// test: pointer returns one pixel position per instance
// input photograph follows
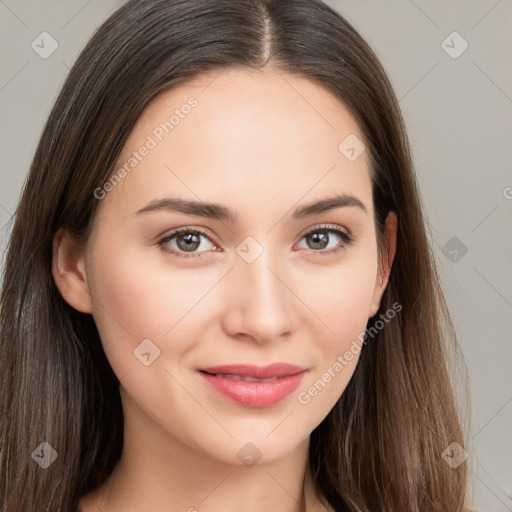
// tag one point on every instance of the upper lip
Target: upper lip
(256, 372)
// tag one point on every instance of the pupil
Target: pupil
(320, 238)
(189, 240)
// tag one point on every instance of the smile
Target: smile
(253, 386)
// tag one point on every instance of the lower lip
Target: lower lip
(254, 394)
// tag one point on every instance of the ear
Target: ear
(68, 269)
(387, 261)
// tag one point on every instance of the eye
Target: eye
(184, 242)
(321, 238)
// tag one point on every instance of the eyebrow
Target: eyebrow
(220, 212)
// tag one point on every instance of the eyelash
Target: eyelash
(346, 237)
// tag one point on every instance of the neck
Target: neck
(156, 470)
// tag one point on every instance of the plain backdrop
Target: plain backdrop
(450, 65)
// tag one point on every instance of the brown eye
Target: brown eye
(326, 237)
(188, 242)
(318, 239)
(185, 240)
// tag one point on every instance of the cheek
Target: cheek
(134, 301)
(343, 306)
(346, 304)
(343, 299)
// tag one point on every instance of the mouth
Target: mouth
(254, 386)
(243, 378)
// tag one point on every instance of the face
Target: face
(257, 279)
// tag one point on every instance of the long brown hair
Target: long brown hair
(379, 448)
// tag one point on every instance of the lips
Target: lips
(256, 372)
(254, 386)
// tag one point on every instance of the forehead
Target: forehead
(248, 136)
(271, 102)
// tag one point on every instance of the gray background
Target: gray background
(458, 113)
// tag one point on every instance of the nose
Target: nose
(259, 301)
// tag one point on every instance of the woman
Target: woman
(218, 291)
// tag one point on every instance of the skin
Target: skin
(261, 144)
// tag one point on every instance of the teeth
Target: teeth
(244, 378)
